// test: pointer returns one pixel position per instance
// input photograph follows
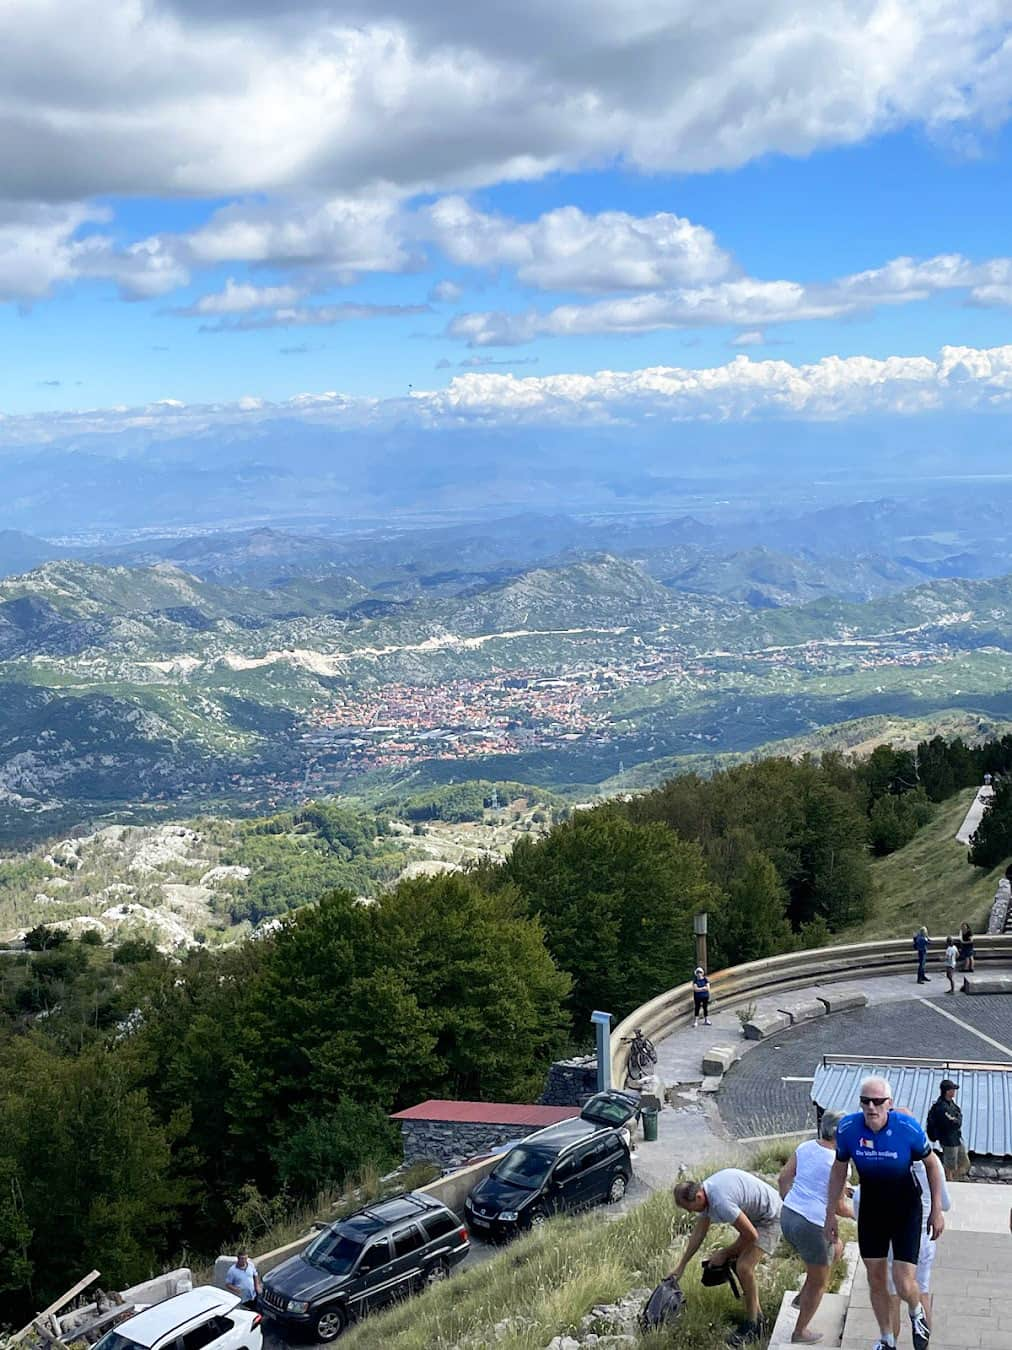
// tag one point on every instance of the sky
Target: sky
(580, 212)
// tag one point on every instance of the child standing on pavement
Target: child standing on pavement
(700, 997)
(951, 956)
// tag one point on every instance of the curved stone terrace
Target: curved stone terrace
(767, 1092)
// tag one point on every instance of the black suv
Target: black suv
(562, 1168)
(380, 1253)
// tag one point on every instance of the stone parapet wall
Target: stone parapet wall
(570, 1081)
(739, 985)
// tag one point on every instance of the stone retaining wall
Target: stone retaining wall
(448, 1142)
(570, 1081)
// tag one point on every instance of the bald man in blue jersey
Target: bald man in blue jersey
(883, 1144)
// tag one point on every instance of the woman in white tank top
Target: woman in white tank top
(804, 1186)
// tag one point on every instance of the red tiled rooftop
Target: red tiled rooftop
(487, 1113)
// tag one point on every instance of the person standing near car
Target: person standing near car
(700, 997)
(752, 1207)
(883, 1144)
(243, 1278)
(945, 1127)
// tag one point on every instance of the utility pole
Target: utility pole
(699, 929)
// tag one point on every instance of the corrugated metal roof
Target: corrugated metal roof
(985, 1095)
(487, 1113)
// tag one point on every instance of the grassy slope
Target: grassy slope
(929, 882)
(546, 1282)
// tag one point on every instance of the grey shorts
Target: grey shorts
(807, 1238)
(768, 1235)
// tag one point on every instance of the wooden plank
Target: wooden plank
(54, 1307)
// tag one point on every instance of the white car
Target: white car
(196, 1320)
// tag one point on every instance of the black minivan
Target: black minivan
(554, 1171)
(378, 1254)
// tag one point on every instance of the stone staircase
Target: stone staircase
(972, 1298)
(971, 1285)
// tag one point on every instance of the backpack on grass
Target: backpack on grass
(664, 1306)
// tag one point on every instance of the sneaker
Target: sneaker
(919, 1330)
(695, 1023)
(884, 1345)
(749, 1333)
(707, 1022)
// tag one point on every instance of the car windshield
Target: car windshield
(333, 1251)
(526, 1167)
(112, 1340)
(608, 1110)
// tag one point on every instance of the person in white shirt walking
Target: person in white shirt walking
(951, 957)
(804, 1185)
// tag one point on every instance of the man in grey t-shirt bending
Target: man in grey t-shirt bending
(753, 1208)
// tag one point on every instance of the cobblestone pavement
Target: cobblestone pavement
(755, 1099)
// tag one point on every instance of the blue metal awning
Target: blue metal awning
(985, 1093)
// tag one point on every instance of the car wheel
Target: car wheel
(436, 1274)
(329, 1324)
(538, 1218)
(617, 1188)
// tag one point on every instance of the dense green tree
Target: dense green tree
(616, 900)
(991, 842)
(328, 1147)
(88, 1168)
(751, 922)
(894, 820)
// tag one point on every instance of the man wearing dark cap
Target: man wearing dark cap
(945, 1127)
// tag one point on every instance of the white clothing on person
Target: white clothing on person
(243, 1280)
(951, 954)
(810, 1191)
(926, 1259)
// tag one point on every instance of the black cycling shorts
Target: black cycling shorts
(888, 1218)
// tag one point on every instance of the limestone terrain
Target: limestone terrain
(168, 883)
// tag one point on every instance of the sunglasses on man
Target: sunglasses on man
(874, 1101)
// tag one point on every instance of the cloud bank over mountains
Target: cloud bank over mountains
(958, 380)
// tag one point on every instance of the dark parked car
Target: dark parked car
(360, 1263)
(556, 1170)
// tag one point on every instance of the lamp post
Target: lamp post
(602, 1025)
(699, 929)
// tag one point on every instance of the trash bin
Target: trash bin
(650, 1126)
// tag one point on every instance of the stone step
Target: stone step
(829, 1319)
(972, 1300)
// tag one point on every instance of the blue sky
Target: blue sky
(605, 188)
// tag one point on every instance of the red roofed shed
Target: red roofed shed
(449, 1132)
(488, 1113)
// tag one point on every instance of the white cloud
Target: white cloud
(743, 302)
(446, 293)
(342, 237)
(240, 297)
(311, 316)
(754, 337)
(958, 379)
(568, 250)
(219, 97)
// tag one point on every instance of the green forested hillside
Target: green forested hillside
(929, 881)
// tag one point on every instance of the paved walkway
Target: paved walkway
(972, 817)
(970, 1285)
(696, 1130)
